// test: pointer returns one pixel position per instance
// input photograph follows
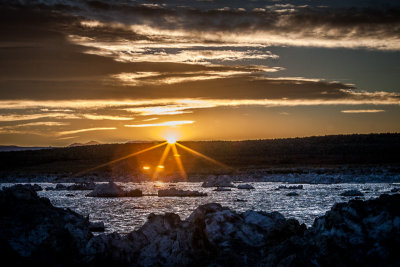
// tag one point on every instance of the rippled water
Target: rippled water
(126, 214)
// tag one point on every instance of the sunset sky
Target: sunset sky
(118, 71)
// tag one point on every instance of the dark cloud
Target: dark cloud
(39, 62)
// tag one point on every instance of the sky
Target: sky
(118, 71)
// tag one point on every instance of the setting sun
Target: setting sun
(171, 140)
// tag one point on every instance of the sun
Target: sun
(171, 140)
(171, 137)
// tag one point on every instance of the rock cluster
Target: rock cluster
(113, 190)
(356, 233)
(218, 181)
(172, 192)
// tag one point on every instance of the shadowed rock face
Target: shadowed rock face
(359, 232)
(33, 231)
(353, 233)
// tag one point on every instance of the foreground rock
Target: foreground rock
(211, 235)
(113, 190)
(218, 181)
(357, 233)
(172, 192)
(33, 231)
(352, 193)
(97, 227)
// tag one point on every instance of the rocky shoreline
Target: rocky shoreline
(353, 233)
(304, 175)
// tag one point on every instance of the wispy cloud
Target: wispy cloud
(86, 130)
(362, 111)
(150, 119)
(167, 123)
(25, 117)
(106, 117)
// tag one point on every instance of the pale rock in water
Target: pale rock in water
(113, 190)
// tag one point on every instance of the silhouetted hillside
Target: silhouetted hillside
(371, 149)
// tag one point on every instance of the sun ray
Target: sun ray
(178, 161)
(162, 160)
(117, 160)
(205, 157)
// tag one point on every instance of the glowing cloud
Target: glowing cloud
(167, 123)
(363, 111)
(86, 130)
(106, 117)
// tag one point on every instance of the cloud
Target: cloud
(86, 130)
(356, 111)
(167, 123)
(106, 117)
(25, 117)
(373, 27)
(150, 119)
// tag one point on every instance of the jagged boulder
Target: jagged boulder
(113, 190)
(358, 233)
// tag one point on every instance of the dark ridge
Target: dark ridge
(333, 150)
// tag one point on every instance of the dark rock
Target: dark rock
(69, 195)
(60, 187)
(96, 227)
(358, 233)
(292, 194)
(245, 186)
(352, 193)
(172, 192)
(37, 187)
(395, 190)
(32, 231)
(222, 189)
